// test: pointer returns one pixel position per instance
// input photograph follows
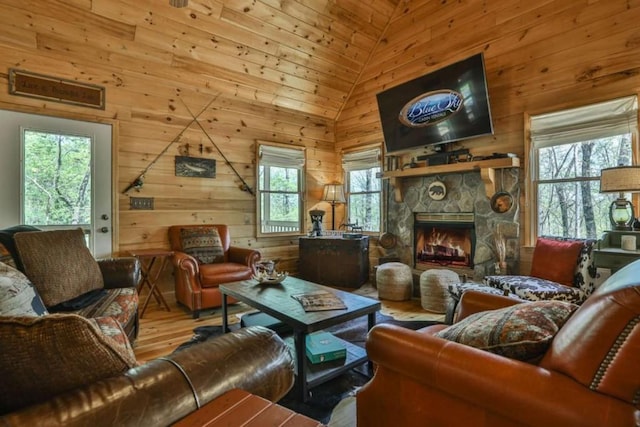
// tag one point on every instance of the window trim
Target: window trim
(301, 189)
(376, 150)
(531, 161)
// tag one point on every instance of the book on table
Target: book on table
(323, 346)
(319, 301)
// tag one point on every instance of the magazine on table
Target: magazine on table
(319, 301)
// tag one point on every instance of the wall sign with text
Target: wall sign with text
(32, 85)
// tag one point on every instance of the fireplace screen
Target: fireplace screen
(444, 240)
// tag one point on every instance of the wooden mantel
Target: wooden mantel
(486, 167)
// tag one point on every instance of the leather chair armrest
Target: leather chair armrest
(244, 256)
(473, 302)
(475, 383)
(185, 262)
(164, 390)
(121, 272)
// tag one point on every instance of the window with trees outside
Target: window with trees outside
(56, 179)
(569, 148)
(364, 188)
(280, 190)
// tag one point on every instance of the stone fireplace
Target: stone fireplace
(468, 220)
(443, 240)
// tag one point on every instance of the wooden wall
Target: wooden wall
(158, 62)
(540, 56)
(281, 71)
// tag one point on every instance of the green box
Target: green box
(322, 347)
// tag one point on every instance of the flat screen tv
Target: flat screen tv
(447, 105)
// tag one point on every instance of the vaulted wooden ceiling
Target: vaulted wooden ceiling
(304, 55)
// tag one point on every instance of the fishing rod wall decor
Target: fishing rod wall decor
(191, 166)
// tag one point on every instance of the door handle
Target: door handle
(104, 229)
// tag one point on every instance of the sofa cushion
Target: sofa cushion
(118, 303)
(59, 264)
(53, 354)
(6, 238)
(523, 331)
(556, 260)
(212, 275)
(18, 297)
(535, 289)
(202, 243)
(6, 257)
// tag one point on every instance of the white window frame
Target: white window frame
(590, 122)
(276, 155)
(358, 160)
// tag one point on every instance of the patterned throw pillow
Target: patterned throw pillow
(18, 297)
(59, 264)
(523, 331)
(203, 243)
(68, 345)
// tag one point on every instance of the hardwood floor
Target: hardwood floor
(163, 331)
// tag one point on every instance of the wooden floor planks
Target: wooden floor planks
(163, 331)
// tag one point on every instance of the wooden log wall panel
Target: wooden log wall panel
(282, 72)
(539, 57)
(277, 72)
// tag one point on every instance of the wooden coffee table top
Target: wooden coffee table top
(276, 300)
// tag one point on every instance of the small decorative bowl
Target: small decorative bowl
(271, 279)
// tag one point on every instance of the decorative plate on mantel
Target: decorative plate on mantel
(437, 190)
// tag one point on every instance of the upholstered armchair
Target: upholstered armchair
(203, 260)
(576, 365)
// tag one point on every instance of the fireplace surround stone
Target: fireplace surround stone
(465, 193)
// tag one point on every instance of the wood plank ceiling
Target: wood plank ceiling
(305, 55)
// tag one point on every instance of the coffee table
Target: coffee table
(276, 301)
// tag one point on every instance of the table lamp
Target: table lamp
(333, 193)
(620, 179)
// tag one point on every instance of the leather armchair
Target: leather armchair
(588, 377)
(166, 389)
(196, 284)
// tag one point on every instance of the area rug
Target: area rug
(324, 397)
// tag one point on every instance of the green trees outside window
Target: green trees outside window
(569, 199)
(57, 179)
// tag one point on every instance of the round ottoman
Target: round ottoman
(434, 289)
(394, 281)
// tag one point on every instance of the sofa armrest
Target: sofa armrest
(244, 256)
(472, 302)
(425, 380)
(121, 272)
(164, 390)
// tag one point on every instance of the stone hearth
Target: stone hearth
(465, 193)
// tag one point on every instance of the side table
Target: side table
(148, 258)
(240, 408)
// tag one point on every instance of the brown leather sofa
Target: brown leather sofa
(196, 283)
(164, 390)
(589, 376)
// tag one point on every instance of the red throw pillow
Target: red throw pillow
(555, 260)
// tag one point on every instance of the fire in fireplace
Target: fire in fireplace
(444, 239)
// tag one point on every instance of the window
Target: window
(364, 194)
(280, 190)
(568, 150)
(57, 179)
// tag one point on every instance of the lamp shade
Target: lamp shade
(333, 193)
(621, 179)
